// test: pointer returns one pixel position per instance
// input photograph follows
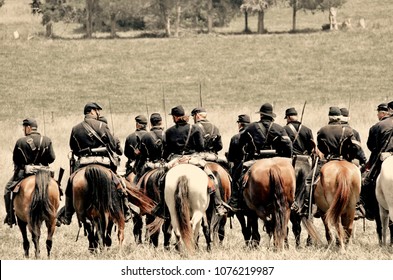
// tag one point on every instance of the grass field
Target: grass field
(52, 79)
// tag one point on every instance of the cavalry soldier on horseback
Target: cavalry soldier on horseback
(211, 134)
(92, 139)
(184, 139)
(235, 159)
(32, 149)
(335, 141)
(133, 144)
(303, 145)
(379, 141)
(263, 139)
(151, 146)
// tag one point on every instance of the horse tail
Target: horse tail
(100, 190)
(341, 197)
(279, 203)
(40, 208)
(183, 215)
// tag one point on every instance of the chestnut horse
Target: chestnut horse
(149, 185)
(36, 201)
(384, 194)
(215, 222)
(269, 193)
(336, 195)
(98, 205)
(186, 195)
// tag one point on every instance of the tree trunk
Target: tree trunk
(178, 14)
(49, 29)
(89, 18)
(261, 23)
(209, 16)
(294, 15)
(246, 29)
(167, 24)
(113, 25)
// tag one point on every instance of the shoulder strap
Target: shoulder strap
(38, 150)
(295, 132)
(187, 140)
(93, 132)
(267, 132)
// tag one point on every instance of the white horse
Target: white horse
(384, 194)
(186, 195)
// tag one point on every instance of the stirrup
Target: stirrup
(221, 210)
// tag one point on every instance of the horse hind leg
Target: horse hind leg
(35, 236)
(51, 226)
(206, 232)
(26, 244)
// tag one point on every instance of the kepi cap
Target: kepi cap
(382, 107)
(290, 112)
(90, 106)
(141, 119)
(30, 122)
(243, 118)
(197, 110)
(334, 111)
(267, 110)
(177, 111)
(155, 117)
(344, 112)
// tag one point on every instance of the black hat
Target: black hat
(30, 122)
(90, 106)
(267, 110)
(177, 111)
(390, 105)
(382, 107)
(197, 110)
(141, 119)
(334, 111)
(344, 112)
(155, 117)
(290, 112)
(243, 118)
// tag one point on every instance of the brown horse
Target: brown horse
(269, 193)
(98, 205)
(148, 184)
(36, 201)
(217, 223)
(336, 195)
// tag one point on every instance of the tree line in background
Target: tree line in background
(170, 16)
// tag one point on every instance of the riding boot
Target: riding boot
(159, 210)
(65, 213)
(10, 217)
(234, 199)
(126, 205)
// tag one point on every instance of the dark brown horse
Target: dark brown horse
(269, 193)
(217, 223)
(36, 201)
(336, 195)
(98, 205)
(148, 184)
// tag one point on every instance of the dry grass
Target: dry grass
(51, 80)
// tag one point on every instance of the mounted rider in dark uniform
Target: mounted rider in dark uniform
(235, 159)
(92, 139)
(303, 148)
(380, 140)
(263, 139)
(133, 142)
(336, 141)
(32, 149)
(151, 146)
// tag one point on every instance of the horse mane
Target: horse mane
(40, 207)
(183, 212)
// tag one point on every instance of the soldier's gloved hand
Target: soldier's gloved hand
(363, 168)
